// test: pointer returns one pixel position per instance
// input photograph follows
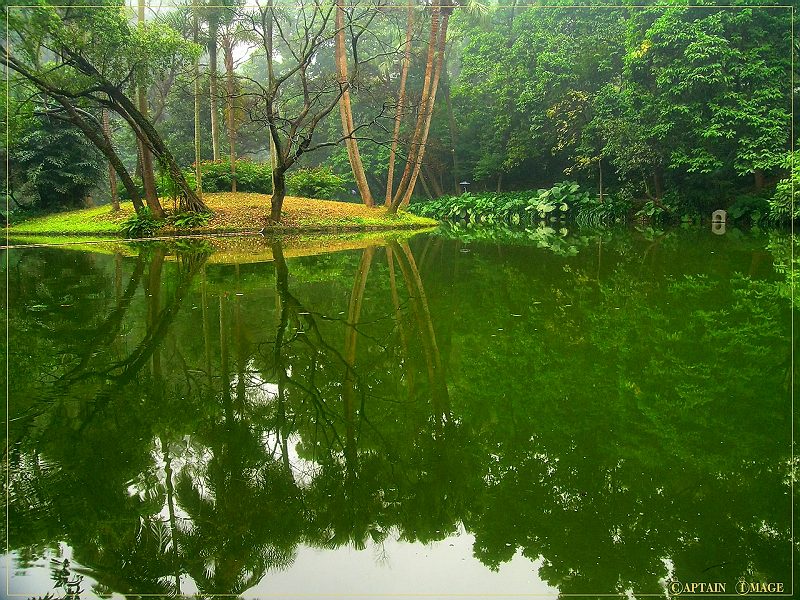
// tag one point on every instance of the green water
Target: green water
(597, 416)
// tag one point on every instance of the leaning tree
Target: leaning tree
(93, 57)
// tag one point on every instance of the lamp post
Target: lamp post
(464, 186)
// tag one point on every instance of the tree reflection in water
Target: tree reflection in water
(180, 423)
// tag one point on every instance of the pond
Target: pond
(589, 414)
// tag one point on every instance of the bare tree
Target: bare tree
(298, 93)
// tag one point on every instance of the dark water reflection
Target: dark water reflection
(617, 414)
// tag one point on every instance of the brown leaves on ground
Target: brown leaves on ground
(250, 212)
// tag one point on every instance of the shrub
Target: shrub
(753, 206)
(508, 207)
(780, 205)
(593, 213)
(315, 182)
(250, 176)
(189, 220)
(142, 224)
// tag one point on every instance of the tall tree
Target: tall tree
(345, 108)
(401, 98)
(148, 170)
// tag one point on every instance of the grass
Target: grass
(240, 212)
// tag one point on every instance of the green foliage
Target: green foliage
(655, 212)
(749, 206)
(251, 176)
(58, 165)
(506, 207)
(593, 213)
(315, 182)
(784, 206)
(189, 220)
(141, 224)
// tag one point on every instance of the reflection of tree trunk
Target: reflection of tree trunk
(350, 343)
(206, 328)
(153, 290)
(225, 376)
(241, 359)
(173, 522)
(419, 303)
(401, 322)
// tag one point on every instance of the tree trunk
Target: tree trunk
(453, 133)
(112, 176)
(104, 145)
(346, 111)
(231, 102)
(213, 27)
(658, 183)
(758, 179)
(600, 170)
(429, 108)
(198, 174)
(425, 186)
(434, 183)
(398, 115)
(412, 150)
(278, 194)
(500, 182)
(148, 173)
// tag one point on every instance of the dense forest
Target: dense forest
(666, 111)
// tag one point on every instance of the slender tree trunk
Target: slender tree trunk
(425, 186)
(758, 179)
(103, 144)
(500, 182)
(401, 98)
(600, 171)
(429, 108)
(231, 101)
(433, 182)
(213, 28)
(278, 194)
(198, 172)
(451, 120)
(415, 139)
(658, 181)
(346, 110)
(112, 175)
(148, 172)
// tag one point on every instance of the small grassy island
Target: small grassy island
(231, 212)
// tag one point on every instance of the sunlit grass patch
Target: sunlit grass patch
(231, 213)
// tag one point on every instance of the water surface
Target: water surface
(592, 414)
